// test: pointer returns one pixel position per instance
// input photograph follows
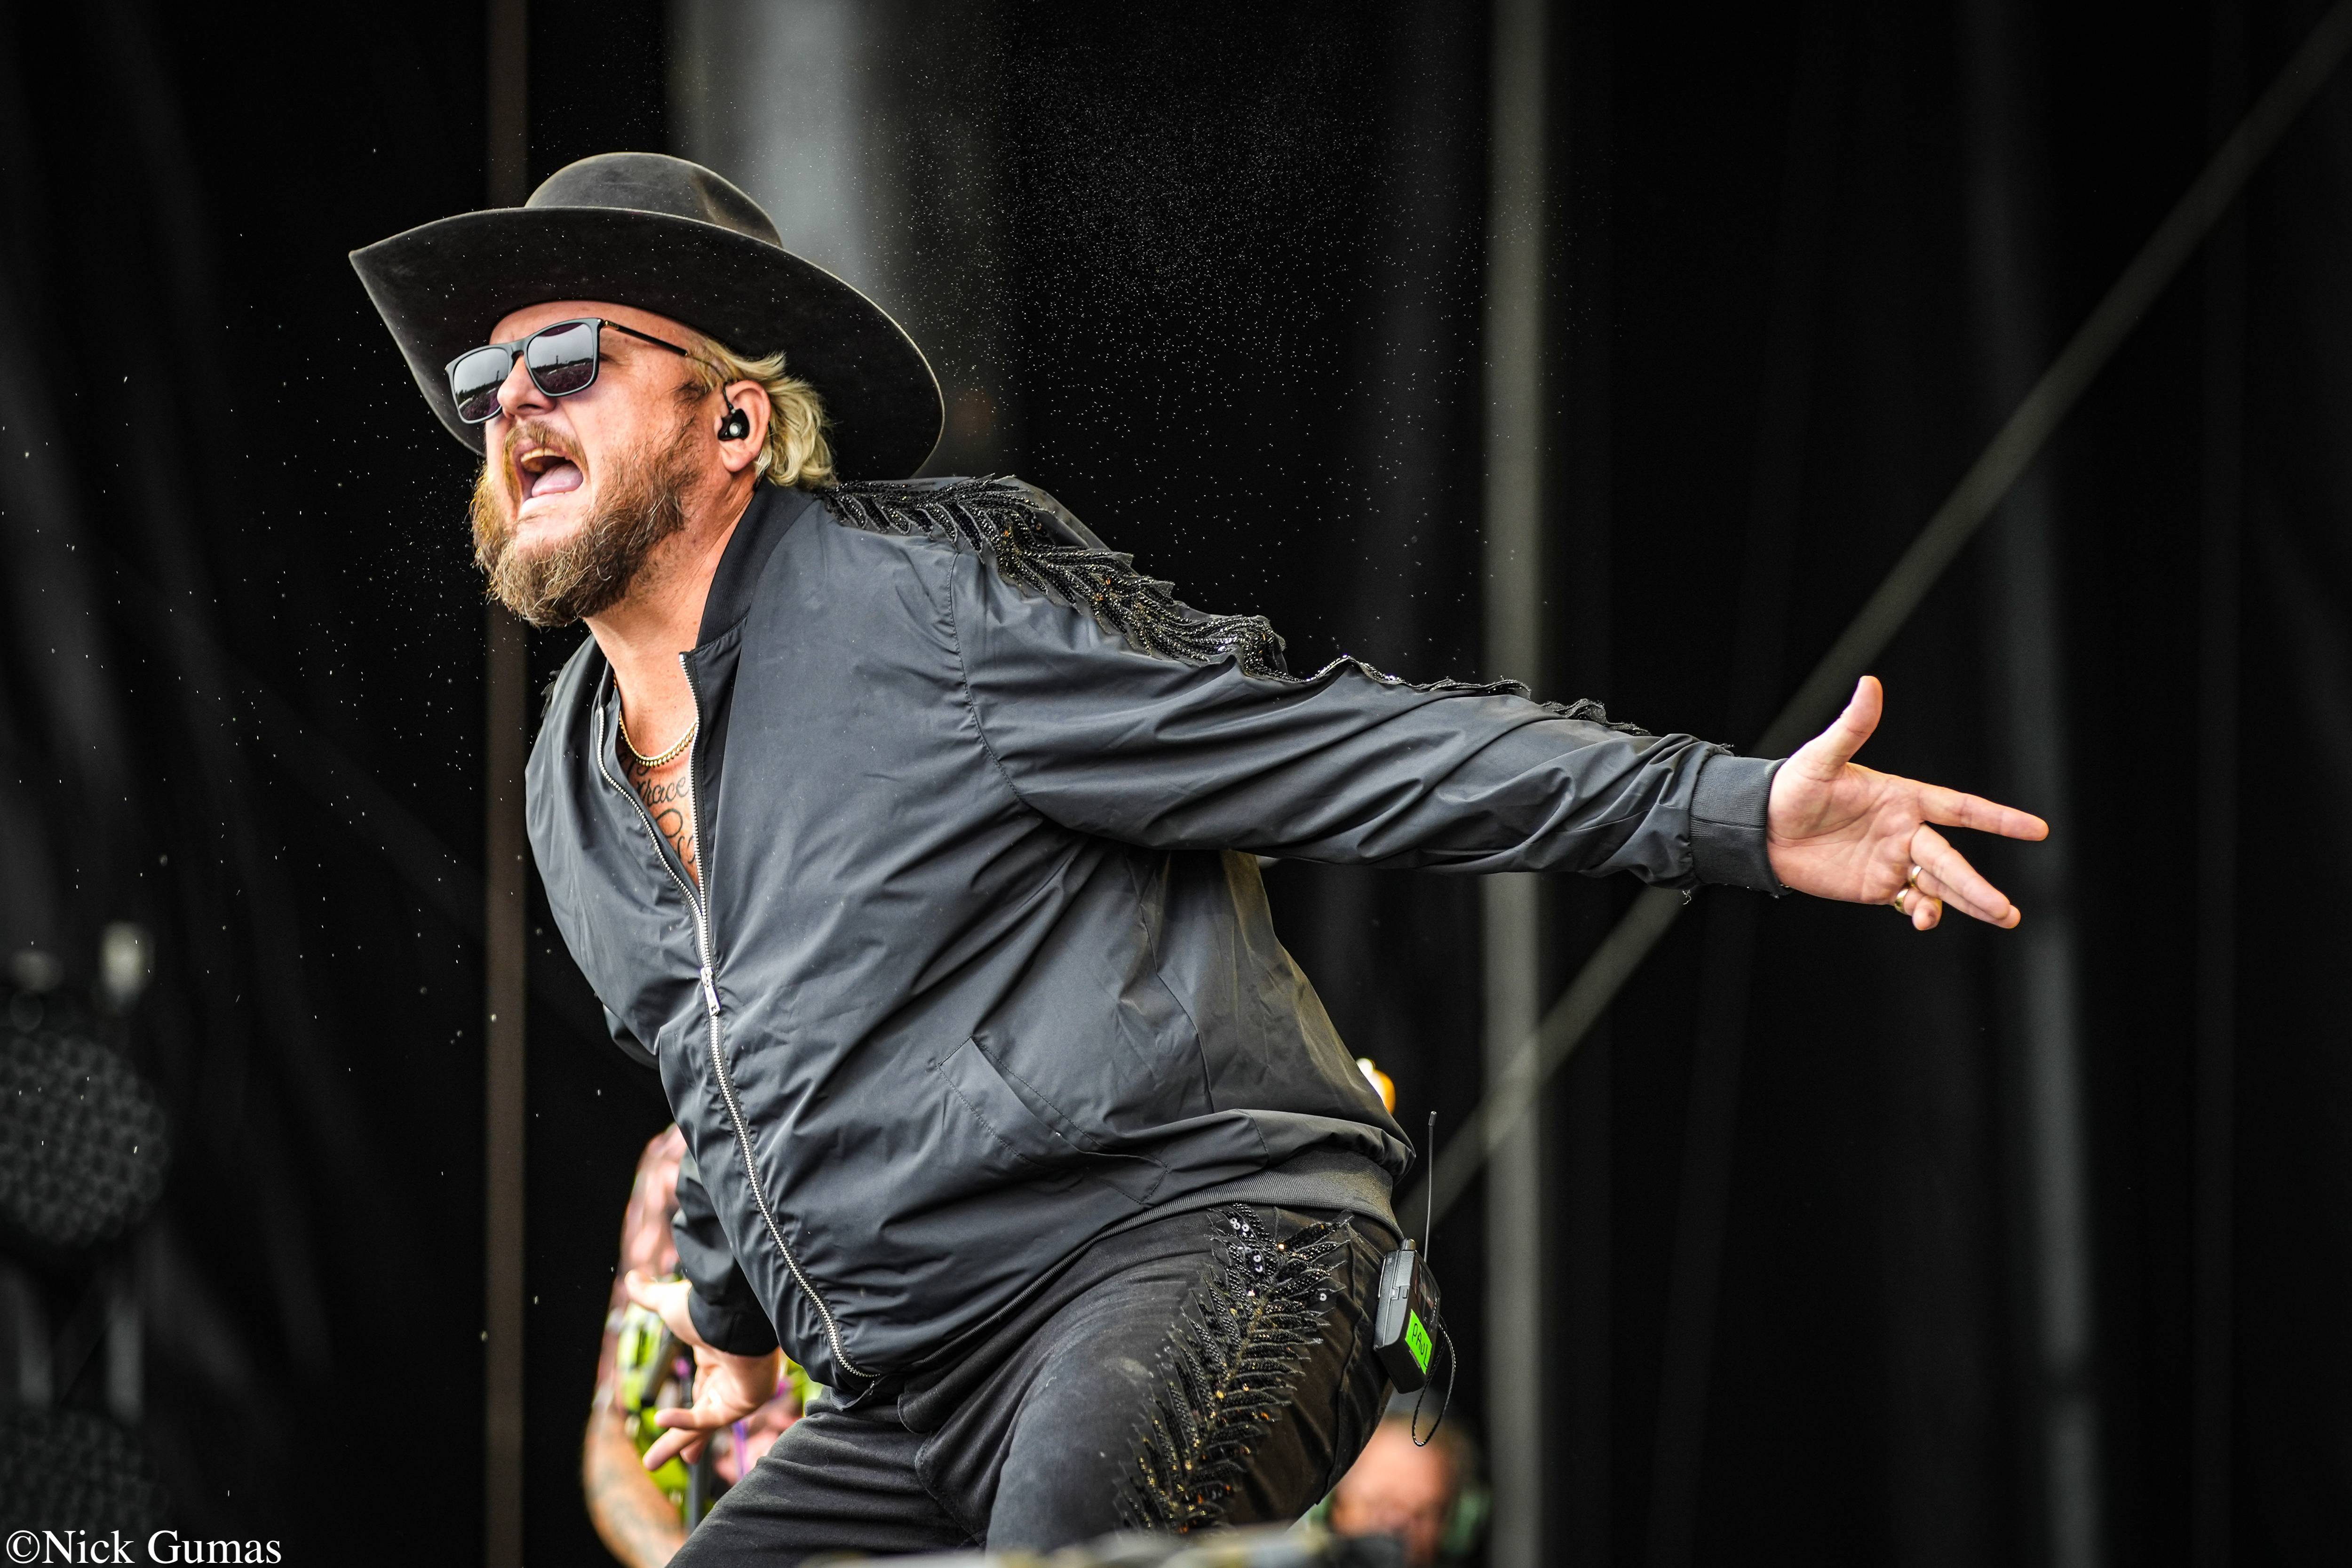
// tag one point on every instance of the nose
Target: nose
(520, 396)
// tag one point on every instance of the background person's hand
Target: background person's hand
(1838, 830)
(727, 1388)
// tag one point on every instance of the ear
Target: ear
(751, 399)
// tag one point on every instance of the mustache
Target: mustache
(521, 437)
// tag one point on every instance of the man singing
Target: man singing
(911, 833)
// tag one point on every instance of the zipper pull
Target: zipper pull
(710, 991)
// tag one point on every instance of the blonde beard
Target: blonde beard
(643, 503)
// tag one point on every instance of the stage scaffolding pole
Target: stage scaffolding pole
(2040, 969)
(1808, 173)
(506, 674)
(1515, 648)
(2213, 1146)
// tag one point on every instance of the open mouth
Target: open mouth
(546, 472)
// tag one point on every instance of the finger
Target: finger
(1835, 747)
(1923, 910)
(1931, 888)
(1944, 873)
(673, 1445)
(1953, 809)
(1926, 910)
(690, 1418)
(684, 1432)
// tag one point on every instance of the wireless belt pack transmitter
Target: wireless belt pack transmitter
(1401, 1331)
(1408, 1323)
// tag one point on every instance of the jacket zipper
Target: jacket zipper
(699, 903)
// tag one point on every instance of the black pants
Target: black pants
(1210, 1368)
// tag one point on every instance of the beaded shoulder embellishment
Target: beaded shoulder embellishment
(999, 519)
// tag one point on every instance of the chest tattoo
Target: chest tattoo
(668, 800)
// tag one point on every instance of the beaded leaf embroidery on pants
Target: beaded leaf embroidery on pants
(1230, 1368)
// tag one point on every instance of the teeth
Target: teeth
(535, 465)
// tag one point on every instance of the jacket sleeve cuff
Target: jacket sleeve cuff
(1727, 826)
(737, 1330)
(724, 1309)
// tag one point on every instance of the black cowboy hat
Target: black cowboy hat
(667, 235)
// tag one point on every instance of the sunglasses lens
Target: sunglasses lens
(475, 379)
(563, 359)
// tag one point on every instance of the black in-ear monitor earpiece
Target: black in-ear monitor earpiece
(736, 425)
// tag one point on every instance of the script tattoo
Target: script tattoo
(669, 801)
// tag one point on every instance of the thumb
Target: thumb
(666, 1299)
(1835, 747)
(640, 1286)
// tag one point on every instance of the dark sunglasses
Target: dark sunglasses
(561, 359)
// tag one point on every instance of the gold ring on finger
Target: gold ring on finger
(1901, 894)
(1912, 879)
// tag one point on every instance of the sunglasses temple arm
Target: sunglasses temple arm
(647, 337)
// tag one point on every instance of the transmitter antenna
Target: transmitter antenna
(1428, 1195)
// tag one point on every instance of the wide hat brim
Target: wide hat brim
(443, 286)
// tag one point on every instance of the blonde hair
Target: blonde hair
(796, 452)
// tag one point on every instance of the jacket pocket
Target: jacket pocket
(1028, 1138)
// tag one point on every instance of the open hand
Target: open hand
(727, 1388)
(1837, 830)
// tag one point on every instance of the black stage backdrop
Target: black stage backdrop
(1803, 259)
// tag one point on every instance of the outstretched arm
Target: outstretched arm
(1345, 767)
(1838, 830)
(1108, 707)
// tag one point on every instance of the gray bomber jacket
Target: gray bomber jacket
(986, 970)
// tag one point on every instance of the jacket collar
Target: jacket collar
(771, 515)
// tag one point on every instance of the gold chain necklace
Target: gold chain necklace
(666, 757)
